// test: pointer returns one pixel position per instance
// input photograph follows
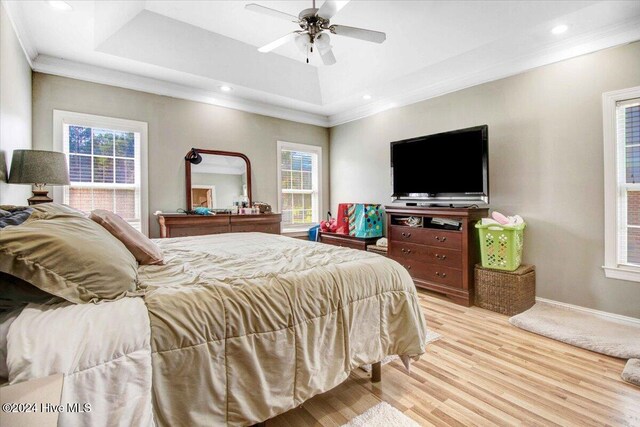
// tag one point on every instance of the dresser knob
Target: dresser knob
(441, 257)
(441, 239)
(405, 251)
(443, 275)
(407, 235)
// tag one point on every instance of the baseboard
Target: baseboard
(590, 310)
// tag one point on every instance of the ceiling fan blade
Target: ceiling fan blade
(271, 12)
(330, 8)
(358, 33)
(277, 43)
(327, 56)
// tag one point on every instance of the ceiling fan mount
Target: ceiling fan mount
(315, 26)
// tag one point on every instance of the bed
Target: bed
(233, 329)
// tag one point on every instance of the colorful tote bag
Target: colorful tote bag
(366, 220)
(343, 218)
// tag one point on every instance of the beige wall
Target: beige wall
(15, 108)
(546, 164)
(175, 126)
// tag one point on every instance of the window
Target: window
(106, 166)
(621, 111)
(299, 180)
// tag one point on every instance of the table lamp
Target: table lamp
(39, 168)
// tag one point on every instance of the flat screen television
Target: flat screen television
(449, 167)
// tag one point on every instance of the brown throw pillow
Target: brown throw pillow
(69, 256)
(145, 251)
(55, 210)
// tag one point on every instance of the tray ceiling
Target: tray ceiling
(192, 48)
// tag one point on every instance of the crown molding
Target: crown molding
(75, 70)
(17, 22)
(619, 34)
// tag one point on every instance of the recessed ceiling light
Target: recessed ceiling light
(226, 88)
(559, 29)
(60, 5)
(366, 97)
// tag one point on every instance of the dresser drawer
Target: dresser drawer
(424, 236)
(432, 273)
(201, 230)
(257, 228)
(427, 254)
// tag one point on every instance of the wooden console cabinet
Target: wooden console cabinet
(181, 225)
(438, 260)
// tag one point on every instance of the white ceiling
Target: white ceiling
(190, 48)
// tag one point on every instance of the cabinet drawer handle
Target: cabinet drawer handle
(441, 239)
(407, 235)
(441, 257)
(443, 275)
(405, 251)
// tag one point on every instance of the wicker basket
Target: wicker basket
(506, 292)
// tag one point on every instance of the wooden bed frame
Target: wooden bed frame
(376, 377)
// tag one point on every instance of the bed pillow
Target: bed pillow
(69, 256)
(145, 251)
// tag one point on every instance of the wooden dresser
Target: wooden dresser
(438, 260)
(181, 225)
(345, 240)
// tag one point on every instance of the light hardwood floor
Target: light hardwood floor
(485, 372)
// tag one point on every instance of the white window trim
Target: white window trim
(60, 118)
(612, 218)
(284, 145)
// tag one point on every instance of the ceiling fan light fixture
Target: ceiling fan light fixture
(323, 42)
(315, 24)
(302, 42)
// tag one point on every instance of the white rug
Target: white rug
(431, 337)
(382, 415)
(607, 336)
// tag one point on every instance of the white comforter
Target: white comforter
(112, 375)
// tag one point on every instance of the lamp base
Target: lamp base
(39, 196)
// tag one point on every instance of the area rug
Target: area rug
(431, 337)
(382, 415)
(612, 337)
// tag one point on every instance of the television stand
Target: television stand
(438, 259)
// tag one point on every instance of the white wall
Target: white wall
(546, 164)
(175, 126)
(15, 108)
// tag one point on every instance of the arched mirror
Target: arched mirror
(218, 180)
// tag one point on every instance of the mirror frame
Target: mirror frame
(187, 167)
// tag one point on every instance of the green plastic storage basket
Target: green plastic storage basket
(501, 245)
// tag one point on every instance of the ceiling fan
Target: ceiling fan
(315, 28)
